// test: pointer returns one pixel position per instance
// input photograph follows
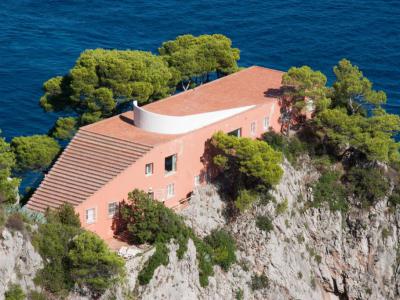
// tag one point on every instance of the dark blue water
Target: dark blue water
(41, 39)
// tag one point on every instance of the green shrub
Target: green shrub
(245, 162)
(160, 257)
(92, 265)
(239, 295)
(282, 207)
(266, 197)
(368, 184)
(291, 147)
(52, 242)
(149, 221)
(264, 223)
(65, 215)
(394, 198)
(14, 292)
(205, 260)
(3, 217)
(15, 222)
(259, 282)
(34, 152)
(245, 199)
(330, 190)
(34, 295)
(223, 247)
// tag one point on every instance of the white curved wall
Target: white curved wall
(158, 123)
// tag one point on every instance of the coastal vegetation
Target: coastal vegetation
(74, 257)
(144, 220)
(102, 82)
(8, 184)
(247, 167)
(350, 137)
(34, 153)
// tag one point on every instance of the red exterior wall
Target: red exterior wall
(189, 149)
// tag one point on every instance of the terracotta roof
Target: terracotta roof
(247, 87)
(88, 163)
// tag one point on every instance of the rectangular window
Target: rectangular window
(236, 132)
(90, 215)
(266, 123)
(170, 163)
(197, 180)
(253, 128)
(112, 209)
(149, 169)
(170, 190)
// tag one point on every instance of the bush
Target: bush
(92, 265)
(149, 221)
(245, 199)
(52, 242)
(393, 200)
(65, 215)
(15, 222)
(264, 223)
(259, 282)
(291, 147)
(2, 217)
(34, 295)
(14, 292)
(204, 256)
(34, 152)
(246, 162)
(330, 190)
(282, 207)
(223, 247)
(160, 257)
(367, 184)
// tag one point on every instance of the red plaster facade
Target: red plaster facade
(188, 148)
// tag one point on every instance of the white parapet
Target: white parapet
(165, 124)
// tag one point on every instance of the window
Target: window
(236, 132)
(197, 180)
(112, 209)
(90, 215)
(253, 128)
(170, 163)
(266, 123)
(149, 169)
(170, 190)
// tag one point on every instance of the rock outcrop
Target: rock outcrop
(310, 254)
(19, 261)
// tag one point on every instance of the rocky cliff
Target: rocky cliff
(19, 261)
(310, 254)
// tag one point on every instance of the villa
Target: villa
(157, 148)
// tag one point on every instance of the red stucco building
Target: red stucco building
(157, 148)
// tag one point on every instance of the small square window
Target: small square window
(90, 215)
(170, 190)
(149, 169)
(170, 163)
(266, 123)
(112, 209)
(253, 128)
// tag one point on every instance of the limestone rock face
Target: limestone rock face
(19, 261)
(310, 254)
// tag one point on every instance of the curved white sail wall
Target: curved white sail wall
(165, 124)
